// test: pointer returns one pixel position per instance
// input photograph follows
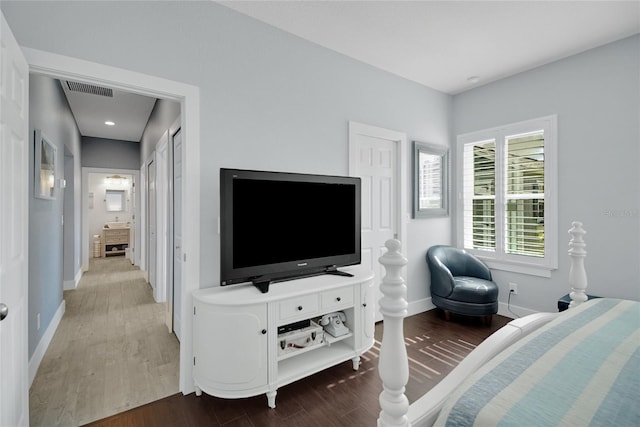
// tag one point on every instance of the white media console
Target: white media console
(236, 341)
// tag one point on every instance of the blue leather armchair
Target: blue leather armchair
(461, 283)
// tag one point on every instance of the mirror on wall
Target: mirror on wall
(45, 167)
(430, 180)
(115, 200)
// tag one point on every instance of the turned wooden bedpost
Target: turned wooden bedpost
(393, 366)
(577, 273)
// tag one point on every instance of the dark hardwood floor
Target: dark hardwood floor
(337, 396)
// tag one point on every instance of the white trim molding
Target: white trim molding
(513, 311)
(420, 306)
(70, 285)
(41, 349)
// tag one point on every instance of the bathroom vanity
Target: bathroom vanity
(115, 241)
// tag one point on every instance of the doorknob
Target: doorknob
(4, 311)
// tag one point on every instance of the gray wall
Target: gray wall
(596, 96)
(268, 100)
(110, 153)
(162, 116)
(50, 113)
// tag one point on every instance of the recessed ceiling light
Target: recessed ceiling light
(473, 79)
(109, 123)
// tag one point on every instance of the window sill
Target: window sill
(530, 270)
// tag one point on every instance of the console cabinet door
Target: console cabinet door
(230, 347)
(368, 310)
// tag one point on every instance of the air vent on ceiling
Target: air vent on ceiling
(91, 89)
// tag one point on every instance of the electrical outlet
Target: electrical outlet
(38, 321)
(513, 288)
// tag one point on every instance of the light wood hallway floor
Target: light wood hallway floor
(111, 352)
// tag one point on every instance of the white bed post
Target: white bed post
(577, 273)
(393, 366)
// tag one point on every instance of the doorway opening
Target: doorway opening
(61, 67)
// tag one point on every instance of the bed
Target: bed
(578, 367)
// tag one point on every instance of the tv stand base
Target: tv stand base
(335, 272)
(263, 285)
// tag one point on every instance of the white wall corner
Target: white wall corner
(38, 354)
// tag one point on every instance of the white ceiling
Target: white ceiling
(441, 44)
(130, 113)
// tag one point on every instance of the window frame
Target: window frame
(499, 259)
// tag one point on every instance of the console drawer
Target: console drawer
(337, 298)
(298, 307)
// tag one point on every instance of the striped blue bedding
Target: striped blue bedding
(581, 369)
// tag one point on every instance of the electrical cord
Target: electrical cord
(509, 305)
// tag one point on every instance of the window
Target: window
(507, 210)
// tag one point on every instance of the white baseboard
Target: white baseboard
(425, 304)
(38, 354)
(69, 285)
(516, 311)
(420, 306)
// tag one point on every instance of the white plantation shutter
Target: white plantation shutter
(507, 209)
(479, 183)
(524, 194)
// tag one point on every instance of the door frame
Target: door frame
(162, 213)
(403, 212)
(64, 67)
(173, 130)
(151, 276)
(84, 233)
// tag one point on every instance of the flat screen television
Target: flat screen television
(277, 226)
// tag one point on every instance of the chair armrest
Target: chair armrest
(476, 268)
(441, 279)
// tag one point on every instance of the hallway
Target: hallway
(110, 353)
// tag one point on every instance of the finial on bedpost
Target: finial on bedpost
(577, 273)
(393, 366)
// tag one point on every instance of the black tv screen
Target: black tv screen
(277, 226)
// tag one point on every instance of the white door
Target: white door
(374, 155)
(14, 215)
(151, 223)
(177, 231)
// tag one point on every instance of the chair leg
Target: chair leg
(487, 320)
(447, 315)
